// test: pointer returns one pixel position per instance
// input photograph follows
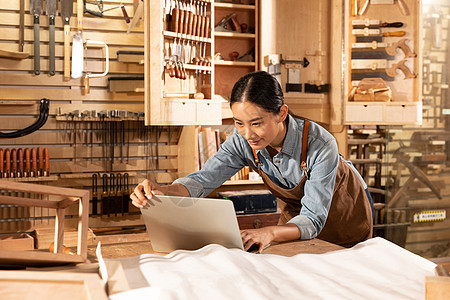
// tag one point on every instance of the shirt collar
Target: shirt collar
(291, 139)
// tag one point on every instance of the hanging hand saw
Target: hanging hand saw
(36, 11)
(51, 7)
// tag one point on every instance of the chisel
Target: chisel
(7, 163)
(14, 163)
(20, 154)
(41, 161)
(105, 195)
(47, 162)
(125, 194)
(51, 7)
(66, 13)
(36, 11)
(27, 163)
(33, 163)
(112, 195)
(94, 194)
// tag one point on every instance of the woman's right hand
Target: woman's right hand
(144, 192)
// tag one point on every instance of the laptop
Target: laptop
(190, 223)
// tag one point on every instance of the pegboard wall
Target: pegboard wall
(96, 132)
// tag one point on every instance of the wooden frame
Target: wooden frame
(69, 197)
(51, 285)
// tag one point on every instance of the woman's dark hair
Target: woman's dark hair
(262, 89)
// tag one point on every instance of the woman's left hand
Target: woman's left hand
(264, 236)
(261, 237)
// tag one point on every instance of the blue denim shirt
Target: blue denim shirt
(284, 170)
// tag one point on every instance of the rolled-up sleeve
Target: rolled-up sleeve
(228, 160)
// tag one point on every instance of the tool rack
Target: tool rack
(179, 77)
(402, 69)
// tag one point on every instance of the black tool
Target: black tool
(94, 194)
(125, 194)
(105, 195)
(112, 195)
(118, 188)
(43, 116)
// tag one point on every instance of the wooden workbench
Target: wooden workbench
(129, 249)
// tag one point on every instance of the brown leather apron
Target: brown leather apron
(349, 219)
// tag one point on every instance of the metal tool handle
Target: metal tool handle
(37, 54)
(98, 43)
(51, 50)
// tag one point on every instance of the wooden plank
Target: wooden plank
(57, 106)
(93, 66)
(112, 38)
(437, 287)
(51, 285)
(87, 166)
(93, 52)
(68, 94)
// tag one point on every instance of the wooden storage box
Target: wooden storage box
(19, 241)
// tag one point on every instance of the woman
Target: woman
(319, 194)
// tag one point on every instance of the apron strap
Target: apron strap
(303, 166)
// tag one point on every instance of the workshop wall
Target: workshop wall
(80, 142)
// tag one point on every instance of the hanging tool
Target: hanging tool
(105, 195)
(36, 11)
(33, 163)
(392, 71)
(14, 162)
(112, 196)
(20, 172)
(41, 162)
(7, 163)
(379, 38)
(137, 15)
(125, 193)
(119, 195)
(47, 162)
(374, 24)
(77, 44)
(100, 11)
(20, 54)
(293, 64)
(66, 13)
(94, 194)
(27, 163)
(43, 116)
(51, 7)
(392, 49)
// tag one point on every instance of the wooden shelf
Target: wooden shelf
(234, 63)
(234, 35)
(186, 36)
(234, 6)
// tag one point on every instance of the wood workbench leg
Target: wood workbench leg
(83, 220)
(59, 230)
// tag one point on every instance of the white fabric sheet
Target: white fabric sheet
(374, 269)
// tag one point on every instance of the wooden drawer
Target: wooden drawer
(258, 220)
